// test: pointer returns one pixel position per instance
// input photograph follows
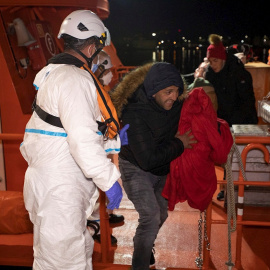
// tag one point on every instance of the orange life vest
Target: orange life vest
(107, 109)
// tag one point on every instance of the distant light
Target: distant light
(179, 30)
(183, 38)
(162, 56)
(154, 56)
(242, 41)
(162, 41)
(174, 42)
(154, 34)
(246, 36)
(197, 48)
(159, 42)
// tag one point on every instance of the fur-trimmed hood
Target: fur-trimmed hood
(128, 86)
(151, 77)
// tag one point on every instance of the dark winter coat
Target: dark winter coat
(234, 90)
(151, 142)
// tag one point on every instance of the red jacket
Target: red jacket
(192, 175)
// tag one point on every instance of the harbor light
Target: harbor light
(154, 57)
(162, 56)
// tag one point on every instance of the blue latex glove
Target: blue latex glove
(123, 135)
(114, 195)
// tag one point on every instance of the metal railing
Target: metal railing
(253, 142)
(11, 136)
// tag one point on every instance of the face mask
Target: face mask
(94, 68)
(107, 78)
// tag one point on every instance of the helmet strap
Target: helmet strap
(96, 52)
(101, 73)
(89, 60)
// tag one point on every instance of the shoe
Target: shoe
(94, 225)
(152, 259)
(113, 240)
(220, 196)
(115, 218)
(96, 237)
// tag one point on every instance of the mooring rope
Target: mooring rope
(231, 214)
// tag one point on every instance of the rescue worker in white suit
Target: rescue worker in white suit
(66, 152)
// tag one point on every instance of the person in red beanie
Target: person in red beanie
(232, 83)
(233, 86)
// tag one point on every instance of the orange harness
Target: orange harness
(110, 125)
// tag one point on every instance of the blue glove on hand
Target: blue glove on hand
(114, 195)
(123, 135)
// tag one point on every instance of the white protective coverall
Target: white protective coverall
(65, 167)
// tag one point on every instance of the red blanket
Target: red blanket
(192, 175)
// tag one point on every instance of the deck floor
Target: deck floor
(177, 242)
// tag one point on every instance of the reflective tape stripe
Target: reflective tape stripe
(110, 149)
(36, 87)
(44, 132)
(240, 212)
(240, 199)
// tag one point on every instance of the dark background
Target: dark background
(131, 23)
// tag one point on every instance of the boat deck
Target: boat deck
(177, 242)
(176, 246)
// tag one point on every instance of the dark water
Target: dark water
(185, 59)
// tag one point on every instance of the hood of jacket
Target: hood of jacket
(141, 84)
(127, 87)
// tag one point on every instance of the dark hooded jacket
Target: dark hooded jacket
(234, 90)
(151, 136)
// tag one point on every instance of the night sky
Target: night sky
(130, 18)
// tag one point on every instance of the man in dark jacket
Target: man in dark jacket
(148, 100)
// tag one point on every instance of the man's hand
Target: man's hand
(187, 139)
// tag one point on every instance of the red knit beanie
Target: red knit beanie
(216, 49)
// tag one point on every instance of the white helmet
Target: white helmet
(83, 24)
(104, 60)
